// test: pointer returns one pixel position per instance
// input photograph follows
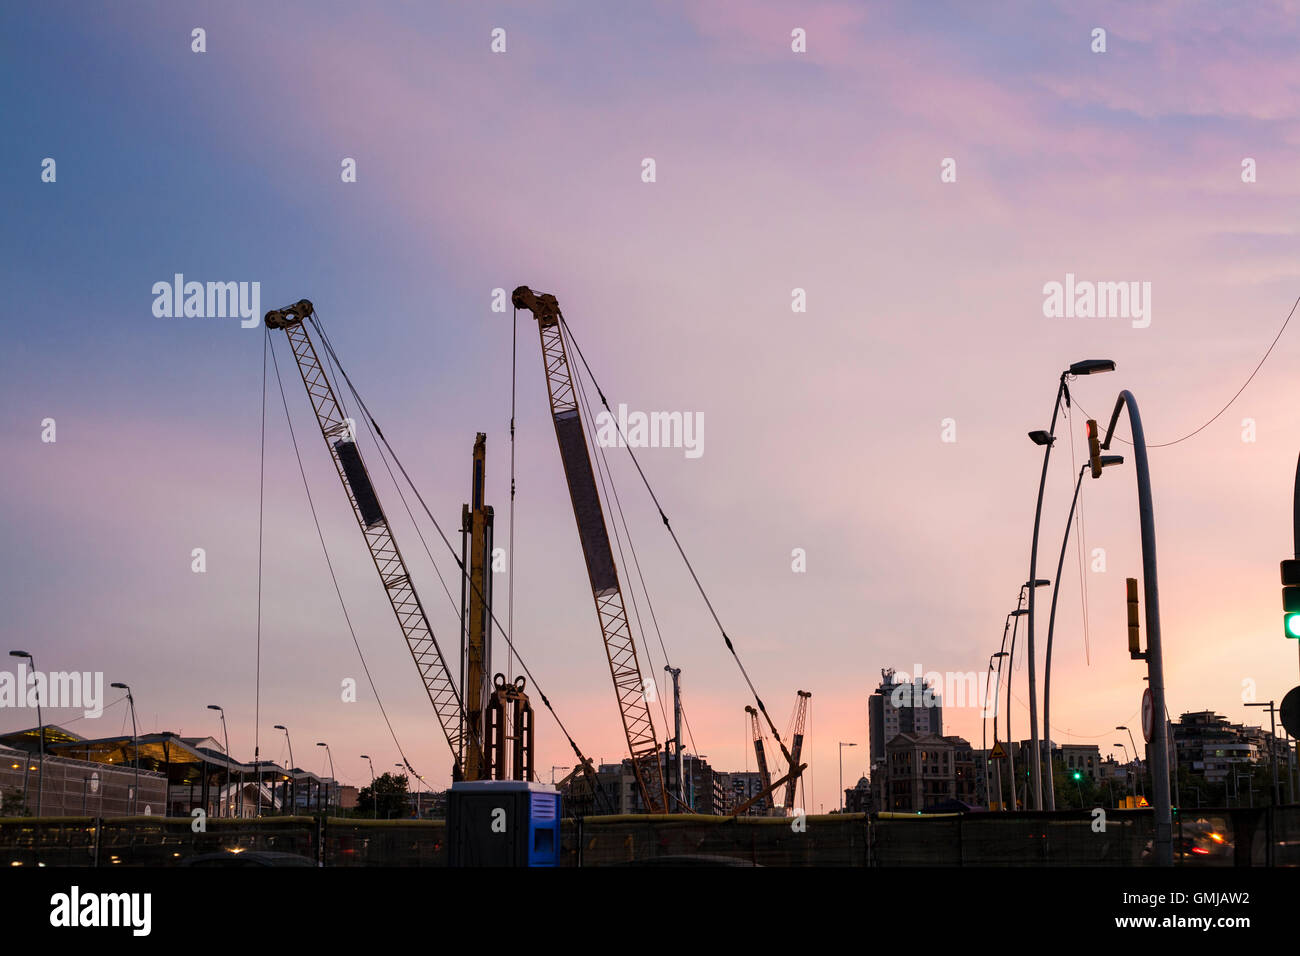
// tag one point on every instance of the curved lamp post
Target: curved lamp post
(373, 798)
(135, 745)
(1011, 751)
(40, 780)
(1106, 461)
(332, 780)
(1159, 746)
(984, 741)
(1046, 439)
(226, 736)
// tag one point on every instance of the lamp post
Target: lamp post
(1128, 765)
(1011, 751)
(1159, 748)
(1031, 585)
(40, 723)
(328, 787)
(292, 768)
(1272, 748)
(226, 737)
(1137, 776)
(842, 746)
(1106, 460)
(1046, 440)
(985, 723)
(135, 746)
(373, 797)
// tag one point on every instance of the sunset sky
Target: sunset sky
(824, 430)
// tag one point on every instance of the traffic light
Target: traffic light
(1094, 448)
(1134, 645)
(1291, 599)
(1077, 775)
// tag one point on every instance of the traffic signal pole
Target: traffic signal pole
(1159, 745)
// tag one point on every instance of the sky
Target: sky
(882, 430)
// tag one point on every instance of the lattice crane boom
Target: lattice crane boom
(341, 442)
(620, 646)
(765, 777)
(796, 745)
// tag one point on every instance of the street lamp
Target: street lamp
(373, 799)
(332, 780)
(135, 745)
(40, 722)
(985, 723)
(291, 766)
(842, 746)
(1011, 752)
(226, 736)
(1136, 775)
(1031, 585)
(1106, 461)
(1086, 367)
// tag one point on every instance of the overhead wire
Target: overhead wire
(1236, 394)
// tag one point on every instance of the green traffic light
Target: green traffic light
(1293, 625)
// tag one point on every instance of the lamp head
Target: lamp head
(1091, 367)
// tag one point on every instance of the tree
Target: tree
(12, 804)
(1069, 790)
(388, 798)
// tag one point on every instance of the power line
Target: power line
(1235, 396)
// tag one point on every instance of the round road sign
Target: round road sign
(1290, 712)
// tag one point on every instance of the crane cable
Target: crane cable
(261, 497)
(602, 467)
(680, 550)
(1235, 396)
(636, 560)
(583, 761)
(329, 564)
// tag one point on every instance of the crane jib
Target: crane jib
(586, 503)
(359, 482)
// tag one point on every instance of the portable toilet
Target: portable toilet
(503, 823)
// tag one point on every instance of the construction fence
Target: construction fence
(1218, 837)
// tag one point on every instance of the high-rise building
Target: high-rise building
(900, 707)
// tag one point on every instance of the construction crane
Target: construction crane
(765, 778)
(796, 768)
(338, 432)
(796, 744)
(620, 647)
